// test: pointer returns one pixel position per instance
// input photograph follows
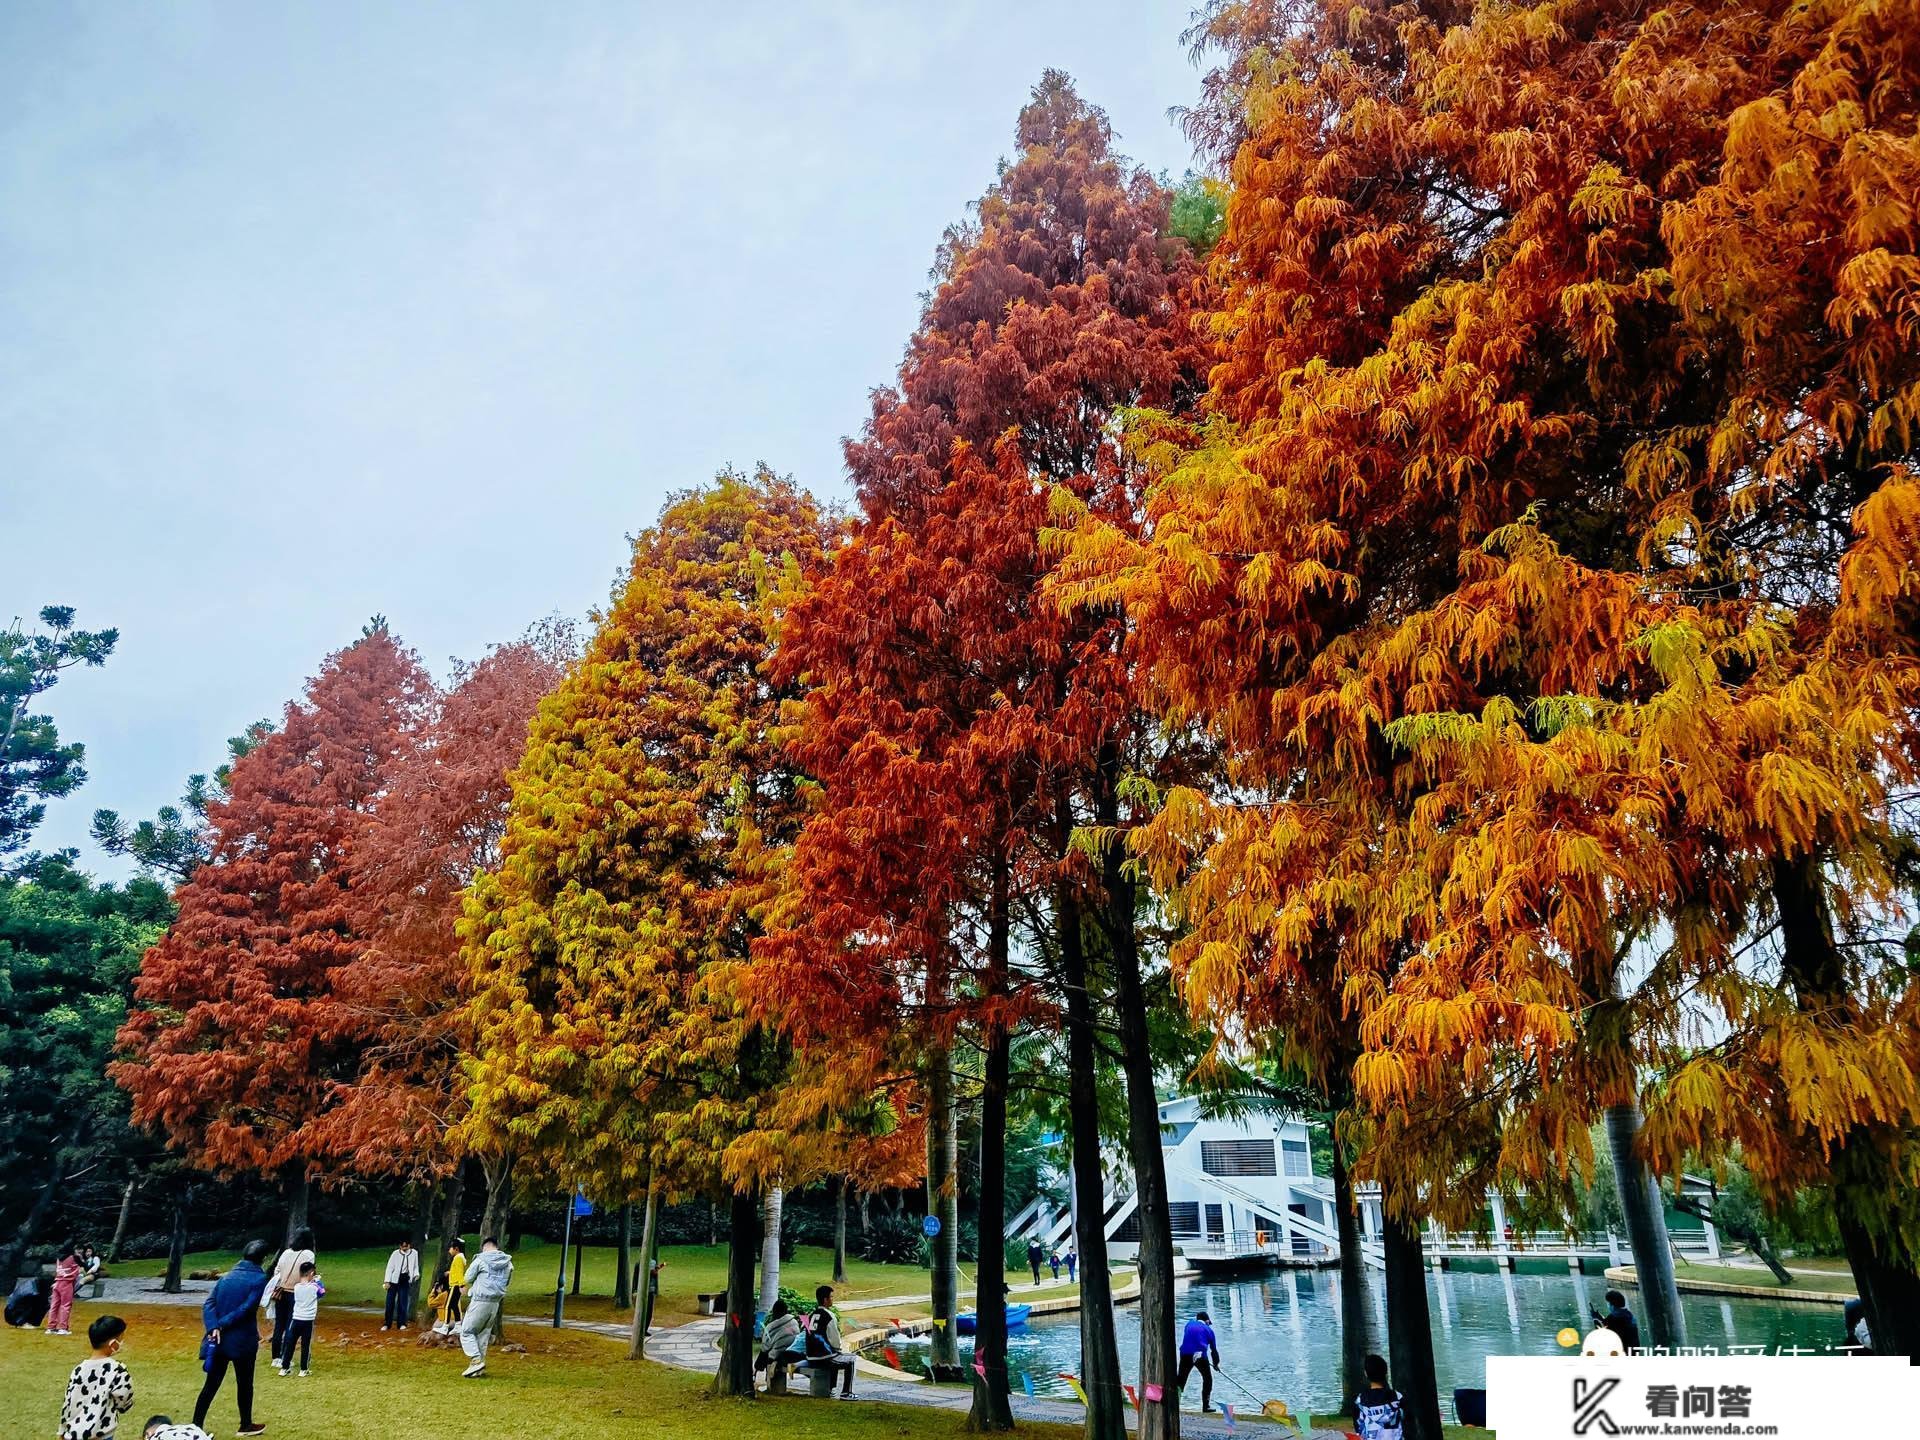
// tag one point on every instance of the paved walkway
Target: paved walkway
(693, 1347)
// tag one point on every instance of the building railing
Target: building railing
(1236, 1244)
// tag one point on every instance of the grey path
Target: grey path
(145, 1290)
(693, 1347)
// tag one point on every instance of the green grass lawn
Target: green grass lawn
(353, 1277)
(1826, 1277)
(568, 1386)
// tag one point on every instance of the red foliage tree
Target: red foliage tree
(965, 730)
(438, 824)
(237, 1037)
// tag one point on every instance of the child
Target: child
(456, 1284)
(1376, 1409)
(100, 1390)
(66, 1275)
(437, 1299)
(306, 1309)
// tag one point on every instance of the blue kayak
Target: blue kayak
(966, 1320)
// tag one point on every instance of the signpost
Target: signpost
(577, 1204)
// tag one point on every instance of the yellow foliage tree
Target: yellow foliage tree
(615, 1047)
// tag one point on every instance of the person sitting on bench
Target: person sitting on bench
(780, 1338)
(824, 1350)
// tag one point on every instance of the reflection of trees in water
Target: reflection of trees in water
(1280, 1336)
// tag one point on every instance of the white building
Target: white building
(1239, 1191)
(1243, 1192)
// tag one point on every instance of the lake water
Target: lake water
(1280, 1331)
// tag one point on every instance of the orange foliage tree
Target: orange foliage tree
(1546, 569)
(237, 1038)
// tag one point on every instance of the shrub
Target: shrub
(894, 1240)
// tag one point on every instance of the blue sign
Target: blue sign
(931, 1225)
(582, 1207)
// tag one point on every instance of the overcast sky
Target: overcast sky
(309, 311)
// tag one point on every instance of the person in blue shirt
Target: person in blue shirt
(233, 1335)
(1199, 1350)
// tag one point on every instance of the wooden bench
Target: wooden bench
(711, 1302)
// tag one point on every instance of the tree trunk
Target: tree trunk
(452, 1193)
(1158, 1420)
(1868, 1197)
(1883, 1270)
(176, 1248)
(1646, 1220)
(498, 1173)
(1099, 1353)
(643, 1300)
(772, 1210)
(713, 1225)
(16, 1251)
(1355, 1342)
(943, 1203)
(992, 1405)
(1759, 1244)
(120, 1225)
(299, 1192)
(735, 1376)
(866, 1213)
(840, 1230)
(579, 1254)
(623, 1260)
(1410, 1329)
(422, 1218)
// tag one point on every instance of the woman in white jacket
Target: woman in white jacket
(403, 1273)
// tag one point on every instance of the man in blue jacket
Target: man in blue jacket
(231, 1316)
(1197, 1346)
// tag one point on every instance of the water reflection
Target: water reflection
(1280, 1331)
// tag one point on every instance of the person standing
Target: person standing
(456, 1284)
(66, 1275)
(1034, 1254)
(306, 1310)
(1199, 1350)
(403, 1273)
(286, 1275)
(1053, 1264)
(487, 1278)
(1619, 1319)
(233, 1335)
(100, 1390)
(1073, 1264)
